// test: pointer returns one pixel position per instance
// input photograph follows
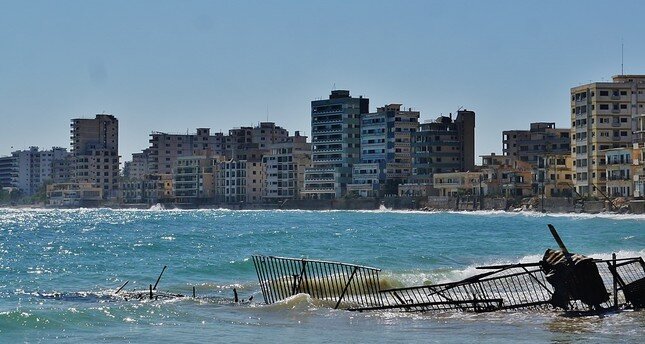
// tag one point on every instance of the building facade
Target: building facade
(166, 148)
(335, 135)
(95, 153)
(285, 164)
(444, 145)
(540, 140)
(33, 168)
(386, 153)
(604, 115)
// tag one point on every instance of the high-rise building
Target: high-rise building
(386, 154)
(7, 167)
(137, 168)
(285, 164)
(541, 140)
(250, 143)
(32, 168)
(444, 145)
(335, 134)
(166, 148)
(604, 115)
(95, 153)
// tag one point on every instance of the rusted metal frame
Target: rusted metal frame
(466, 302)
(257, 272)
(271, 282)
(324, 262)
(278, 277)
(530, 273)
(345, 289)
(261, 271)
(300, 277)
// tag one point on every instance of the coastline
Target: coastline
(423, 204)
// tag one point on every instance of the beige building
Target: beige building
(240, 181)
(459, 183)
(604, 115)
(194, 179)
(95, 153)
(626, 171)
(74, 194)
(506, 176)
(554, 175)
(166, 148)
(284, 168)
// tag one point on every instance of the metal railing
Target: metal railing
(502, 287)
(344, 284)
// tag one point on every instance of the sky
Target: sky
(173, 66)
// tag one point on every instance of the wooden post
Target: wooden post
(193, 292)
(151, 292)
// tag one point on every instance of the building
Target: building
(95, 153)
(74, 194)
(240, 181)
(604, 115)
(284, 168)
(540, 140)
(194, 179)
(7, 167)
(444, 145)
(506, 176)
(335, 134)
(33, 168)
(251, 143)
(166, 148)
(137, 168)
(459, 183)
(553, 176)
(386, 153)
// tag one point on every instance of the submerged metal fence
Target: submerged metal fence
(506, 287)
(502, 287)
(348, 284)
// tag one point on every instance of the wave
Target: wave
(381, 210)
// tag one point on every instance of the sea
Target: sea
(58, 269)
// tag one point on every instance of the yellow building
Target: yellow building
(74, 194)
(604, 115)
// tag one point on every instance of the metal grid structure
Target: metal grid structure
(502, 287)
(505, 287)
(346, 284)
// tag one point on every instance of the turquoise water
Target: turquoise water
(56, 266)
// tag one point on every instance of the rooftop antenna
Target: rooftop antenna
(622, 57)
(333, 87)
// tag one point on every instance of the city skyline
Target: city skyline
(170, 67)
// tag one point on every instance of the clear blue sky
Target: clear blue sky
(177, 65)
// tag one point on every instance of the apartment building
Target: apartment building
(285, 164)
(74, 194)
(506, 176)
(7, 166)
(251, 143)
(540, 140)
(604, 115)
(444, 145)
(459, 183)
(194, 179)
(32, 168)
(166, 148)
(553, 176)
(240, 181)
(386, 151)
(95, 153)
(335, 134)
(137, 168)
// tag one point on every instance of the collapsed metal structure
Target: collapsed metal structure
(561, 279)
